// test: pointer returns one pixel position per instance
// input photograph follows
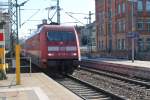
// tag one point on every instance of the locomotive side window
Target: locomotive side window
(61, 36)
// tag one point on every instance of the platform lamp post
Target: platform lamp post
(18, 18)
(132, 5)
(133, 27)
(18, 80)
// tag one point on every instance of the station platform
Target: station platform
(137, 63)
(34, 86)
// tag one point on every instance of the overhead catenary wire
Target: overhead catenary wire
(77, 13)
(31, 16)
(73, 17)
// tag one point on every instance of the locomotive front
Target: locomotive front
(62, 48)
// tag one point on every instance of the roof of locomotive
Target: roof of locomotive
(52, 28)
(56, 27)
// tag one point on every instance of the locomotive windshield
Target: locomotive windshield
(61, 36)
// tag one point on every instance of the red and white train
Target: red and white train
(53, 46)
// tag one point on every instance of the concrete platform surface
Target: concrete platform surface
(137, 63)
(38, 86)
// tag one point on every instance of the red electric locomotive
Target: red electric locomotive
(54, 46)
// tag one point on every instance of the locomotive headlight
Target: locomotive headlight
(74, 54)
(50, 54)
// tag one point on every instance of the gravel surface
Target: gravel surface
(130, 91)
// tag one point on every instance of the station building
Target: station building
(5, 27)
(117, 24)
(87, 38)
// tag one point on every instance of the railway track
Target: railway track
(131, 88)
(136, 81)
(139, 73)
(86, 91)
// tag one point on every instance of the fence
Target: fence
(25, 64)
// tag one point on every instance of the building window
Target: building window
(148, 44)
(148, 27)
(123, 44)
(148, 5)
(101, 17)
(110, 13)
(110, 29)
(101, 45)
(140, 25)
(109, 1)
(123, 8)
(101, 30)
(110, 46)
(118, 44)
(140, 5)
(121, 25)
(140, 45)
(101, 23)
(119, 9)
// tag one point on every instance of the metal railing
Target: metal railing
(25, 62)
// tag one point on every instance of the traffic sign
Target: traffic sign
(133, 0)
(132, 34)
(1, 37)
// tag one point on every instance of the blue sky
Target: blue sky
(35, 10)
